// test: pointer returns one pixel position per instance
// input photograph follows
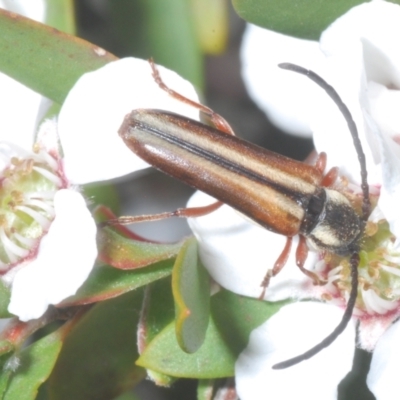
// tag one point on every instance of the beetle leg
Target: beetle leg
(320, 162)
(191, 212)
(301, 257)
(217, 120)
(329, 178)
(279, 264)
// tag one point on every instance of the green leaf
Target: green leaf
(32, 367)
(165, 356)
(157, 313)
(6, 348)
(44, 59)
(106, 282)
(163, 30)
(60, 14)
(98, 357)
(304, 18)
(104, 194)
(5, 295)
(233, 319)
(191, 289)
(124, 253)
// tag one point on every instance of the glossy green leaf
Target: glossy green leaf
(44, 59)
(233, 319)
(237, 316)
(124, 253)
(33, 366)
(191, 289)
(106, 282)
(157, 313)
(165, 356)
(304, 18)
(98, 357)
(163, 30)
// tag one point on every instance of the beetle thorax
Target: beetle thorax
(331, 223)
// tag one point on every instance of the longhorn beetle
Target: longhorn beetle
(283, 195)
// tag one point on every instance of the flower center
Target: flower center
(379, 274)
(28, 183)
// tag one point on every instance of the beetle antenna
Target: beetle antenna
(366, 205)
(354, 261)
(350, 123)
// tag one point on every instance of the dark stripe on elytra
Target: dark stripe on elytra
(216, 159)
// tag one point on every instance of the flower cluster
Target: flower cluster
(358, 56)
(48, 236)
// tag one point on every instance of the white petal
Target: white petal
(20, 107)
(382, 379)
(94, 111)
(295, 329)
(65, 258)
(282, 95)
(360, 46)
(371, 330)
(331, 133)
(385, 105)
(375, 25)
(9, 150)
(389, 198)
(33, 9)
(47, 137)
(238, 253)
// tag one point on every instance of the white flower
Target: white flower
(48, 236)
(39, 209)
(358, 55)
